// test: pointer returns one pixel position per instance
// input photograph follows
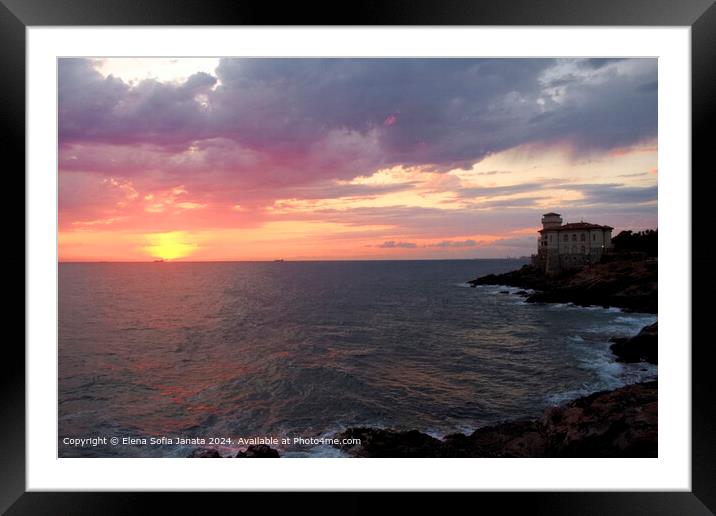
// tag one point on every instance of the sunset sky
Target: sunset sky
(261, 159)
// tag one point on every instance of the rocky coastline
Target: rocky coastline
(618, 423)
(643, 347)
(623, 283)
(254, 451)
(627, 284)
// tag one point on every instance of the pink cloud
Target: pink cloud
(150, 157)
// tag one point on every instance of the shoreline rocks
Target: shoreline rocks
(618, 423)
(643, 347)
(627, 284)
(258, 451)
(204, 453)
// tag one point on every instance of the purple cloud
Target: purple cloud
(454, 243)
(392, 244)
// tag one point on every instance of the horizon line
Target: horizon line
(297, 260)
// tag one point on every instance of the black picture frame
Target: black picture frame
(700, 15)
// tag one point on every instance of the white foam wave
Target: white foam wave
(608, 373)
(635, 319)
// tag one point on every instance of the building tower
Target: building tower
(551, 220)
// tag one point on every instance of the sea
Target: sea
(158, 359)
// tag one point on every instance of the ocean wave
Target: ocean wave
(609, 374)
(561, 306)
(290, 353)
(499, 289)
(643, 320)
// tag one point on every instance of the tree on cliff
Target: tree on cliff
(640, 241)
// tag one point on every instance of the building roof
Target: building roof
(576, 225)
(550, 213)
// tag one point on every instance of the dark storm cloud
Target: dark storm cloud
(438, 112)
(597, 63)
(94, 108)
(615, 193)
(602, 193)
(648, 87)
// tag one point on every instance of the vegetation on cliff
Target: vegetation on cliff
(646, 242)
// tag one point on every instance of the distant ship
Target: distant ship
(160, 260)
(281, 260)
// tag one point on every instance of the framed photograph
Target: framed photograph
(413, 250)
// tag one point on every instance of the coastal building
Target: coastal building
(567, 246)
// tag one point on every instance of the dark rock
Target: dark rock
(643, 347)
(504, 291)
(391, 443)
(627, 284)
(205, 453)
(526, 277)
(523, 293)
(618, 423)
(258, 451)
(523, 438)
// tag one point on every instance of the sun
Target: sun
(170, 245)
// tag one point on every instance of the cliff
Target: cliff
(258, 451)
(641, 347)
(618, 423)
(627, 284)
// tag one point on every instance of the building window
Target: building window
(566, 238)
(574, 249)
(583, 250)
(574, 237)
(594, 236)
(550, 238)
(582, 237)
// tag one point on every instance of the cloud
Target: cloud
(615, 193)
(454, 243)
(255, 132)
(390, 120)
(452, 112)
(518, 188)
(636, 174)
(600, 62)
(392, 244)
(493, 172)
(525, 242)
(521, 202)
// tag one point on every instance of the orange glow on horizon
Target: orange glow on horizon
(169, 246)
(137, 222)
